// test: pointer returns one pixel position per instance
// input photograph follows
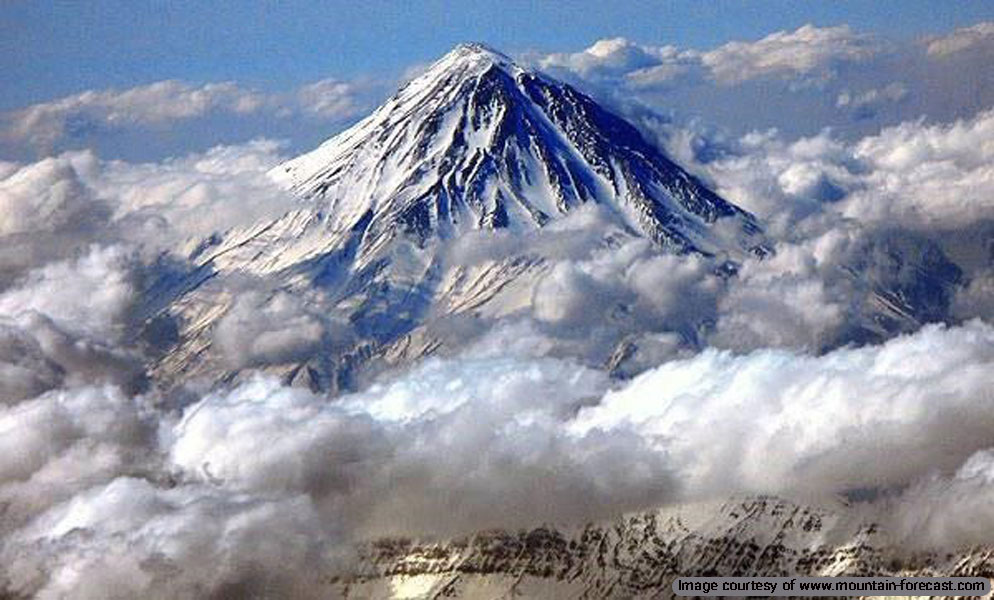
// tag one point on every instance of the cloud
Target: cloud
(44, 196)
(57, 206)
(917, 175)
(928, 175)
(774, 421)
(965, 38)
(91, 294)
(614, 58)
(90, 512)
(25, 371)
(836, 277)
(492, 456)
(96, 115)
(66, 322)
(191, 196)
(781, 304)
(84, 240)
(129, 538)
(250, 476)
(865, 104)
(283, 474)
(860, 228)
(64, 441)
(628, 289)
(583, 287)
(81, 359)
(946, 511)
(805, 190)
(270, 328)
(976, 299)
(156, 103)
(799, 82)
(332, 99)
(807, 51)
(854, 261)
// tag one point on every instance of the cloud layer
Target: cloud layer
(797, 81)
(109, 496)
(173, 111)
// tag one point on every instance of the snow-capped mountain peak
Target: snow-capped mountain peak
(476, 142)
(480, 142)
(469, 53)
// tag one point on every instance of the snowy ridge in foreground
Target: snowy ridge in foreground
(639, 555)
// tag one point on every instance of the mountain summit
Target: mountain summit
(479, 142)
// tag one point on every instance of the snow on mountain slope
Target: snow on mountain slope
(475, 143)
(478, 142)
(639, 555)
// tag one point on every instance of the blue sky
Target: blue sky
(50, 49)
(145, 81)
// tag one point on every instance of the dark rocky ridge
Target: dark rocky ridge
(638, 556)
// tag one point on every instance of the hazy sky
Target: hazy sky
(50, 49)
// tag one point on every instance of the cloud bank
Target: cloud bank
(173, 111)
(798, 81)
(110, 496)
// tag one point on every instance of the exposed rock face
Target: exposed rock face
(639, 555)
